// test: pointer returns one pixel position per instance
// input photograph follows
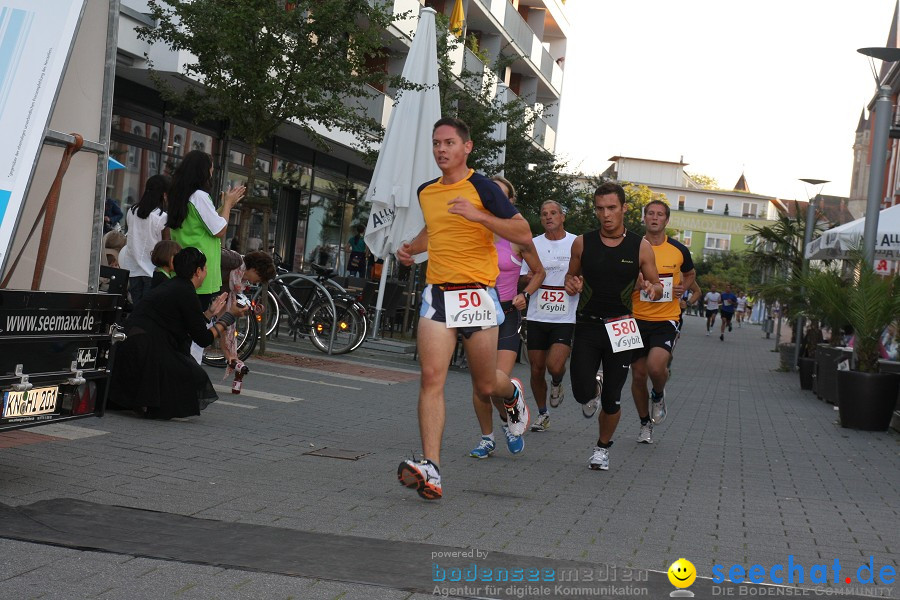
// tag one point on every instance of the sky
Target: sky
(770, 88)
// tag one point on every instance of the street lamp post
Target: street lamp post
(807, 238)
(883, 109)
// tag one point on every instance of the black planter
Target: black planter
(866, 400)
(827, 359)
(807, 366)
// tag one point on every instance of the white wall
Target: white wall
(649, 172)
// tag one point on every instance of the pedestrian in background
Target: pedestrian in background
(193, 220)
(146, 223)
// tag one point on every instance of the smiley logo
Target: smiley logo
(682, 573)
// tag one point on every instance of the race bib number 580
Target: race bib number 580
(624, 334)
(469, 308)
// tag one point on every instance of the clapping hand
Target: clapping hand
(234, 195)
(217, 306)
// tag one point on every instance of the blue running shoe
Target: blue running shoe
(484, 449)
(514, 443)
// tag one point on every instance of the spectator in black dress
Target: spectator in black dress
(154, 372)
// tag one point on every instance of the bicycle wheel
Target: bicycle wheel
(245, 333)
(271, 313)
(350, 330)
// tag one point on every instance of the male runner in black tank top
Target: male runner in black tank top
(604, 267)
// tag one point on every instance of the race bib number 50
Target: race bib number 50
(469, 308)
(624, 334)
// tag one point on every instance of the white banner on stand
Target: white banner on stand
(35, 40)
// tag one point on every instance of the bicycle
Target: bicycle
(305, 302)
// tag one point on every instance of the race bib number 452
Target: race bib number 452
(552, 301)
(624, 334)
(469, 308)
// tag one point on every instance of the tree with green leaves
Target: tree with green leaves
(778, 256)
(725, 268)
(263, 63)
(705, 182)
(537, 174)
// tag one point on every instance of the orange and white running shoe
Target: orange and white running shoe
(422, 476)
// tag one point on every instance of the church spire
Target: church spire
(741, 185)
(863, 124)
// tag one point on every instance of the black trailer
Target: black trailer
(56, 349)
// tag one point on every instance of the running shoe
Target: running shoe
(646, 434)
(589, 409)
(557, 393)
(514, 443)
(657, 407)
(707, 333)
(542, 423)
(484, 448)
(600, 459)
(721, 337)
(517, 412)
(729, 328)
(422, 476)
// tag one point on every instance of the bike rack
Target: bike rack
(291, 280)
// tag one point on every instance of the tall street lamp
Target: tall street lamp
(883, 111)
(807, 238)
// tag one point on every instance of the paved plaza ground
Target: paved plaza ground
(747, 470)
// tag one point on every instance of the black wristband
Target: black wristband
(527, 296)
(227, 319)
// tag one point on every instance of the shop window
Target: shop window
(136, 127)
(126, 185)
(180, 140)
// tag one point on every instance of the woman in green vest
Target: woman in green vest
(193, 220)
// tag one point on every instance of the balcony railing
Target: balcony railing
(378, 107)
(556, 77)
(473, 64)
(519, 30)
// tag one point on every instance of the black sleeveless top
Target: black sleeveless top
(609, 274)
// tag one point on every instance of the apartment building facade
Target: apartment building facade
(706, 221)
(317, 196)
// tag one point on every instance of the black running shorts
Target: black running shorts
(656, 334)
(542, 335)
(508, 336)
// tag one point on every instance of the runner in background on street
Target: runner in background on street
(729, 304)
(551, 313)
(659, 321)
(748, 314)
(695, 296)
(463, 210)
(711, 300)
(741, 309)
(512, 258)
(604, 269)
